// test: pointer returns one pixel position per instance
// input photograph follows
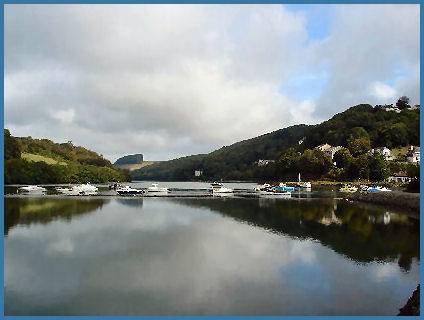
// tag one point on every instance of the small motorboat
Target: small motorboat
(377, 189)
(267, 190)
(363, 187)
(284, 188)
(128, 191)
(32, 189)
(79, 190)
(218, 188)
(115, 186)
(154, 188)
(262, 187)
(348, 188)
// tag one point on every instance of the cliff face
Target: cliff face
(130, 159)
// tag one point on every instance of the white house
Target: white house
(328, 149)
(384, 151)
(262, 162)
(397, 110)
(198, 173)
(399, 177)
(414, 155)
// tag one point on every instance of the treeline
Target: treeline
(78, 165)
(357, 129)
(61, 151)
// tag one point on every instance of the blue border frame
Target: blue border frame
(199, 2)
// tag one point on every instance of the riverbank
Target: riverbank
(412, 307)
(394, 200)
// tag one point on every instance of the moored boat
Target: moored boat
(304, 185)
(218, 188)
(285, 188)
(128, 191)
(32, 189)
(377, 189)
(79, 190)
(154, 188)
(262, 187)
(348, 188)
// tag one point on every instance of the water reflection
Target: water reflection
(43, 210)
(209, 257)
(363, 233)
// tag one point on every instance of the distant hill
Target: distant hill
(35, 161)
(239, 160)
(130, 159)
(136, 166)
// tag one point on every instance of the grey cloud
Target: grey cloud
(171, 80)
(368, 43)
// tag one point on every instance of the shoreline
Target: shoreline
(409, 202)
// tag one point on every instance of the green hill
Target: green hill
(130, 159)
(238, 161)
(35, 161)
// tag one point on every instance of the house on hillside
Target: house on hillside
(384, 151)
(198, 173)
(400, 176)
(263, 162)
(414, 155)
(329, 150)
(397, 110)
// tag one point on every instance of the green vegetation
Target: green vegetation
(38, 158)
(357, 129)
(136, 166)
(37, 161)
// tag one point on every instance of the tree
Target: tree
(358, 132)
(378, 168)
(359, 146)
(12, 148)
(314, 163)
(403, 103)
(343, 158)
(288, 163)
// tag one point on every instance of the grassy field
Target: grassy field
(136, 166)
(37, 158)
(402, 151)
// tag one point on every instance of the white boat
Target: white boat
(363, 187)
(218, 188)
(154, 188)
(128, 191)
(377, 189)
(303, 185)
(79, 190)
(32, 189)
(262, 187)
(348, 188)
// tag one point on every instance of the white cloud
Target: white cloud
(172, 80)
(65, 116)
(383, 92)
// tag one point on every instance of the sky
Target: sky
(174, 80)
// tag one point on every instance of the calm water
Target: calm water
(86, 256)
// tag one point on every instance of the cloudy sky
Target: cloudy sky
(174, 80)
